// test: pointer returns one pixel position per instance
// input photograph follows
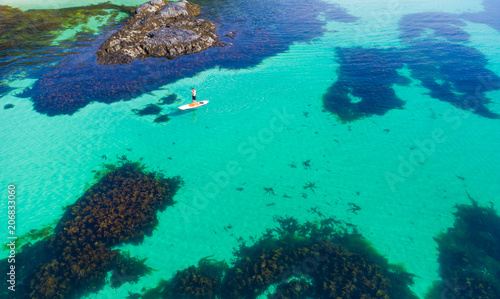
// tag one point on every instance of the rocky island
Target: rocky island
(159, 29)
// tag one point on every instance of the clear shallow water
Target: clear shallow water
(51, 158)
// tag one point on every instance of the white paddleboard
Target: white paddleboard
(193, 105)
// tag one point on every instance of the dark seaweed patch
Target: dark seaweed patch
(162, 119)
(489, 16)
(170, 99)
(121, 207)
(321, 260)
(336, 263)
(339, 14)
(33, 236)
(128, 269)
(443, 25)
(462, 71)
(469, 255)
(293, 289)
(264, 28)
(26, 36)
(203, 281)
(452, 72)
(364, 86)
(4, 88)
(8, 106)
(150, 109)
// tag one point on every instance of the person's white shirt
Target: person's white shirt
(193, 92)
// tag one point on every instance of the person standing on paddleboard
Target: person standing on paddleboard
(193, 93)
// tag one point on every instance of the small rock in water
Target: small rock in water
(8, 106)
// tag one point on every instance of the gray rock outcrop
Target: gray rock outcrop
(159, 29)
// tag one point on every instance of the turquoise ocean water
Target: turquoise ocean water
(279, 103)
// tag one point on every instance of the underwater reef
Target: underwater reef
(469, 255)
(250, 30)
(319, 260)
(120, 208)
(159, 29)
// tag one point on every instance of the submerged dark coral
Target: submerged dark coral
(120, 207)
(8, 106)
(469, 255)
